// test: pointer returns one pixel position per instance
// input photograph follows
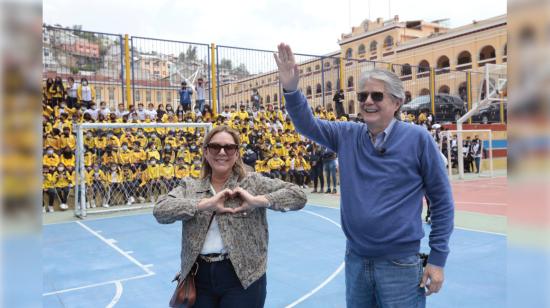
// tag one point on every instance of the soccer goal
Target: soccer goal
(474, 158)
(114, 163)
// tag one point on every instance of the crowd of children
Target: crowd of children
(136, 165)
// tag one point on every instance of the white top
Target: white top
(141, 114)
(71, 92)
(92, 112)
(105, 112)
(200, 93)
(86, 93)
(213, 242)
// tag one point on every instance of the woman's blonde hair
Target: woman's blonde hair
(238, 168)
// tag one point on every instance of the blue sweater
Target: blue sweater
(381, 194)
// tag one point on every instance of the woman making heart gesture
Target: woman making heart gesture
(224, 223)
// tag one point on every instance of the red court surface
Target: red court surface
(485, 196)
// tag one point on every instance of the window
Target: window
(423, 69)
(328, 88)
(137, 95)
(308, 91)
(169, 97)
(275, 97)
(308, 69)
(349, 53)
(388, 42)
(111, 94)
(159, 97)
(361, 49)
(464, 60)
(350, 83)
(98, 93)
(318, 89)
(406, 69)
(148, 96)
(373, 46)
(444, 89)
(317, 67)
(268, 99)
(487, 55)
(443, 65)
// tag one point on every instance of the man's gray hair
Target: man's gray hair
(392, 84)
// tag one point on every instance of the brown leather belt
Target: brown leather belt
(214, 257)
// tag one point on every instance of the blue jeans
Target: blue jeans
(384, 283)
(218, 286)
(200, 103)
(330, 172)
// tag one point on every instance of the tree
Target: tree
(241, 70)
(181, 58)
(191, 53)
(226, 64)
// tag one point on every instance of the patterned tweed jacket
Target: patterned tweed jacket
(245, 234)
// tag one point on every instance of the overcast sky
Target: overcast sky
(309, 26)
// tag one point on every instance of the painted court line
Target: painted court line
(329, 278)
(460, 228)
(97, 284)
(112, 245)
(118, 294)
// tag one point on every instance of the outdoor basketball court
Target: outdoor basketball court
(129, 261)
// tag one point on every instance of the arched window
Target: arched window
(423, 69)
(388, 41)
(443, 65)
(361, 50)
(350, 83)
(487, 55)
(373, 46)
(349, 53)
(406, 70)
(444, 89)
(318, 90)
(328, 88)
(275, 97)
(505, 53)
(464, 60)
(308, 91)
(268, 99)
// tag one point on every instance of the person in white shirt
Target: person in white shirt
(104, 110)
(121, 111)
(226, 114)
(199, 88)
(151, 111)
(141, 113)
(92, 111)
(72, 96)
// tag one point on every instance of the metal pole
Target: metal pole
(218, 97)
(127, 62)
(490, 153)
(323, 81)
(469, 93)
(81, 173)
(210, 78)
(122, 67)
(133, 77)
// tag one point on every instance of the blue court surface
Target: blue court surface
(129, 261)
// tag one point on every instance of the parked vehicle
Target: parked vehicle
(489, 114)
(448, 108)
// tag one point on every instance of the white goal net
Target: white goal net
(126, 166)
